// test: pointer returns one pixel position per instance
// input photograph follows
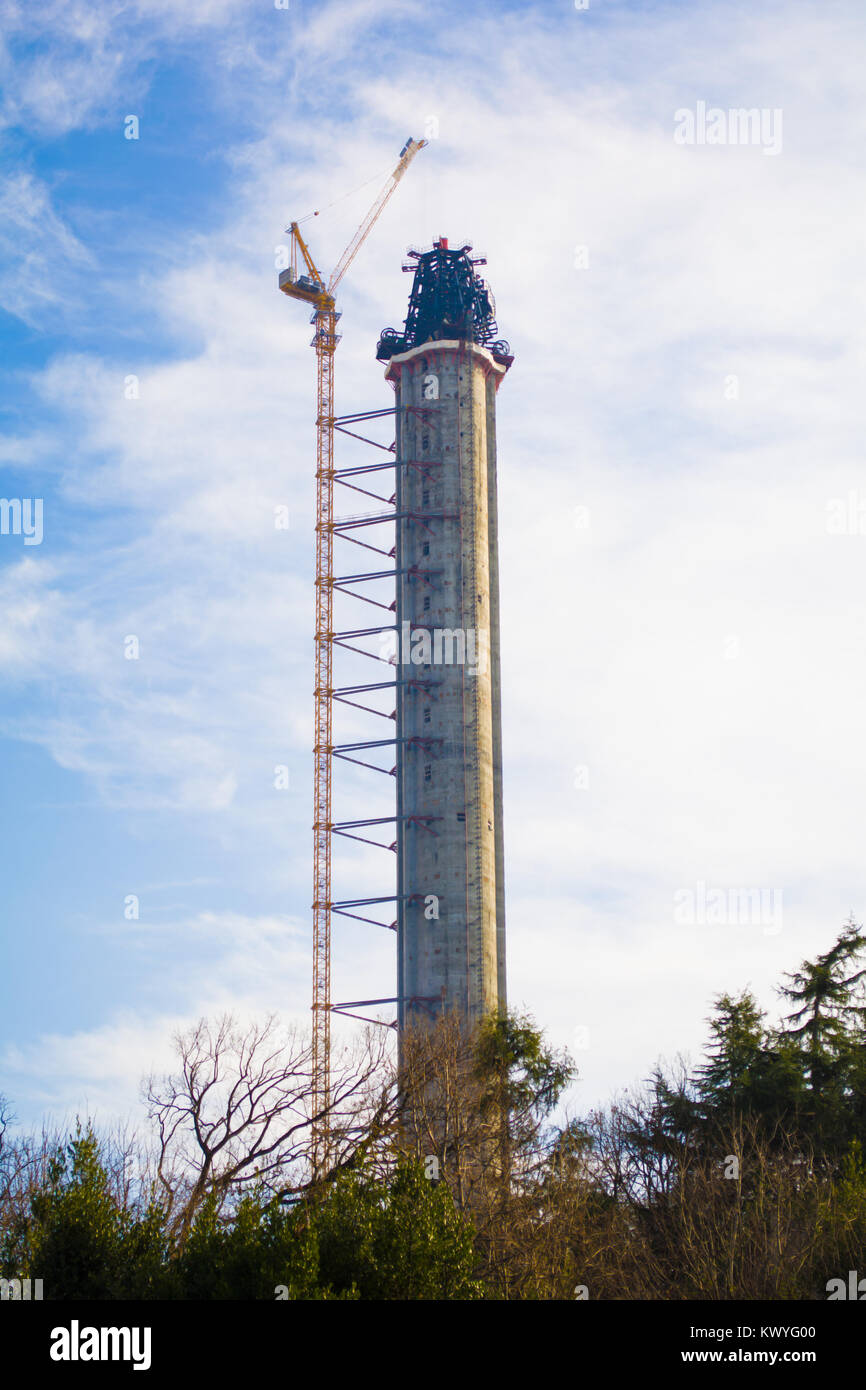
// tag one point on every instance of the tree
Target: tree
(475, 1104)
(826, 991)
(262, 1248)
(738, 1038)
(238, 1113)
(398, 1238)
(742, 1177)
(827, 1028)
(81, 1239)
(751, 1070)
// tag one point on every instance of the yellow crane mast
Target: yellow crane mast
(310, 287)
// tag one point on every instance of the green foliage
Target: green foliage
(398, 1237)
(80, 1239)
(261, 1248)
(751, 1070)
(825, 992)
(521, 1071)
(826, 1028)
(365, 1237)
(402, 1239)
(802, 1081)
(739, 1036)
(745, 1178)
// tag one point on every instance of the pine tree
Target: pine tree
(827, 1027)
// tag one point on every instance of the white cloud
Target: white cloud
(231, 963)
(700, 648)
(21, 450)
(69, 64)
(37, 249)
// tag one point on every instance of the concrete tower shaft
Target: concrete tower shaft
(451, 895)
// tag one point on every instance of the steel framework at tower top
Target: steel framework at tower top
(448, 300)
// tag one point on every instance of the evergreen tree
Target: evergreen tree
(827, 1027)
(81, 1240)
(398, 1239)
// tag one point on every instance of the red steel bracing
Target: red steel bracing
(343, 527)
(327, 527)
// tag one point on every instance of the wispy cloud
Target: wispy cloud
(679, 622)
(38, 251)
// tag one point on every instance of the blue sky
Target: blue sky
(684, 639)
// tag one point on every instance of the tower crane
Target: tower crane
(310, 287)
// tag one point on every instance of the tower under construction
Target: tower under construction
(446, 367)
(445, 726)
